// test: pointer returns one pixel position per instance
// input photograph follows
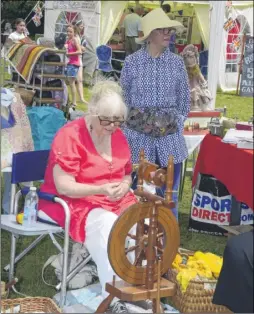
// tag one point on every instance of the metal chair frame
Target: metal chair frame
(37, 162)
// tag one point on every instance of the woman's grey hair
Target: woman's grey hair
(107, 100)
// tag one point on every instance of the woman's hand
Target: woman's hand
(110, 189)
(122, 189)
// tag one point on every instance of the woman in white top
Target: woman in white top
(19, 34)
(80, 28)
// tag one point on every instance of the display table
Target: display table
(193, 140)
(7, 169)
(230, 165)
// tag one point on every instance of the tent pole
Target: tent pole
(215, 44)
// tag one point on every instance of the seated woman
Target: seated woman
(235, 283)
(89, 167)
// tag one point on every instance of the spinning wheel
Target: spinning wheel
(154, 231)
(166, 243)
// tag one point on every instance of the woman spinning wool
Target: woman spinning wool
(200, 95)
(89, 167)
(156, 90)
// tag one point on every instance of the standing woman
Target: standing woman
(156, 91)
(73, 53)
(82, 42)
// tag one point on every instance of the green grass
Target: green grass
(28, 270)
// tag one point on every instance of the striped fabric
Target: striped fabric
(23, 58)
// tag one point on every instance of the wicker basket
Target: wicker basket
(198, 296)
(30, 305)
(3, 292)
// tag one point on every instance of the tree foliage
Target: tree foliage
(11, 10)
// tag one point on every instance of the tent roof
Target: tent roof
(234, 3)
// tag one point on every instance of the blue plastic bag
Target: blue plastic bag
(45, 122)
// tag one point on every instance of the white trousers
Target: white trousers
(98, 226)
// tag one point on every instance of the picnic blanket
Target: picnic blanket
(23, 58)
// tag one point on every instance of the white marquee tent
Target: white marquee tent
(102, 17)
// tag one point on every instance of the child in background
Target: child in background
(73, 53)
(82, 41)
(20, 32)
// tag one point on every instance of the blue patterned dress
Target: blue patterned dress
(157, 83)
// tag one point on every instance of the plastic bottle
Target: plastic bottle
(30, 209)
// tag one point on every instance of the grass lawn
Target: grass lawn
(29, 269)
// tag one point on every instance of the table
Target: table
(230, 165)
(7, 169)
(193, 141)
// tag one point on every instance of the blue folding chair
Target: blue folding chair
(27, 167)
(104, 56)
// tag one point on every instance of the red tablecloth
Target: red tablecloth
(230, 165)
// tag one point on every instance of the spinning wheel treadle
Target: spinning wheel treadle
(167, 241)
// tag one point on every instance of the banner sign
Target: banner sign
(246, 86)
(211, 208)
(216, 210)
(77, 5)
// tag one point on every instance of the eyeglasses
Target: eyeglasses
(107, 122)
(164, 31)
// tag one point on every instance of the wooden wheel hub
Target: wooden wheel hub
(167, 242)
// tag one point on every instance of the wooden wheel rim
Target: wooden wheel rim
(132, 274)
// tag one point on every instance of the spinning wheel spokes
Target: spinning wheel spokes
(166, 242)
(142, 241)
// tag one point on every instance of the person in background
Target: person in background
(157, 93)
(82, 42)
(167, 9)
(172, 41)
(20, 32)
(131, 30)
(73, 53)
(234, 287)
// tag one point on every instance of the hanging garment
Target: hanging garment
(16, 137)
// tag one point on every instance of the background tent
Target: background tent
(102, 17)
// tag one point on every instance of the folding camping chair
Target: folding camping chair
(27, 167)
(104, 56)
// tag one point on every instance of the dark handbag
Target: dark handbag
(60, 41)
(45, 94)
(152, 122)
(54, 83)
(52, 58)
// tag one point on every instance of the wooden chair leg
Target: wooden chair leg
(105, 304)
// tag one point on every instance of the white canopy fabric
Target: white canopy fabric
(227, 81)
(111, 13)
(202, 16)
(215, 42)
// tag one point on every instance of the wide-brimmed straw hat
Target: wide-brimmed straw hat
(157, 18)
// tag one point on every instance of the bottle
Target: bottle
(30, 209)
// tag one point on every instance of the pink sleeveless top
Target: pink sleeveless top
(75, 60)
